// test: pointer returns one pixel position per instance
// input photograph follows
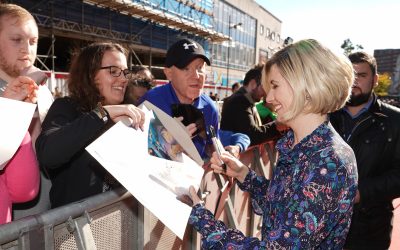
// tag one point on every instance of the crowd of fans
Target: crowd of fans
(336, 174)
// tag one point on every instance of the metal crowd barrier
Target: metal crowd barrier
(115, 220)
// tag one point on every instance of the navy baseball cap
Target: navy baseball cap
(181, 53)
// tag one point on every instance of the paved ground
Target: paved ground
(396, 226)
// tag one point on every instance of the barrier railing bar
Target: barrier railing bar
(82, 232)
(18, 228)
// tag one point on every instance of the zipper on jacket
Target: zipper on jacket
(356, 126)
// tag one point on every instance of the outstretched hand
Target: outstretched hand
(22, 89)
(190, 129)
(192, 199)
(128, 113)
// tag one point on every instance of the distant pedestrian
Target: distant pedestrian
(141, 82)
(239, 113)
(235, 87)
(212, 96)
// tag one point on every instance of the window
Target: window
(267, 33)
(261, 29)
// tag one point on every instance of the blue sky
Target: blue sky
(372, 24)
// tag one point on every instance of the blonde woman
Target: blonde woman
(308, 202)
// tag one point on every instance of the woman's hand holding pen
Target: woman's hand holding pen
(234, 167)
(234, 150)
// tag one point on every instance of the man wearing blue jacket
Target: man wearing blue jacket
(185, 68)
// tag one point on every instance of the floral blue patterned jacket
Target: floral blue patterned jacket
(306, 205)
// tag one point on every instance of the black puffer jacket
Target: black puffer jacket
(376, 144)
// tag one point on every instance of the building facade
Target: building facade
(236, 34)
(388, 61)
(254, 35)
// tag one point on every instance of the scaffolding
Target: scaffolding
(147, 27)
(161, 17)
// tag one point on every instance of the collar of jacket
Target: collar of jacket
(376, 107)
(243, 91)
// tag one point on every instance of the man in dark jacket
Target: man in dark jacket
(372, 129)
(239, 112)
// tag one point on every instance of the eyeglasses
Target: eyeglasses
(116, 71)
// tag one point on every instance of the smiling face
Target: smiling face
(110, 87)
(18, 45)
(280, 93)
(189, 81)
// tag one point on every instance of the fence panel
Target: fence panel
(115, 220)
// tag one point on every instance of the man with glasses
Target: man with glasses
(239, 113)
(185, 68)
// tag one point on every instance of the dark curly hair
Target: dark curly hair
(84, 67)
(361, 57)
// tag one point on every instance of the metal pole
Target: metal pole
(52, 39)
(227, 61)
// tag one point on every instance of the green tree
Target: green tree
(348, 47)
(384, 82)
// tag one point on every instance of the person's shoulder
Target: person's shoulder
(238, 99)
(209, 106)
(332, 142)
(389, 109)
(156, 90)
(63, 101)
(153, 94)
(238, 96)
(206, 98)
(207, 101)
(63, 104)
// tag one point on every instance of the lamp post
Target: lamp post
(230, 27)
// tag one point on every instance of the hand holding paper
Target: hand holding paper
(44, 97)
(21, 89)
(34, 73)
(17, 117)
(143, 164)
(127, 113)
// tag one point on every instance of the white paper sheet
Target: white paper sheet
(44, 95)
(44, 101)
(155, 182)
(15, 119)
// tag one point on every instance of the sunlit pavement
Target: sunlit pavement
(396, 226)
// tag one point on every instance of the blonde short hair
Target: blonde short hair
(14, 11)
(321, 80)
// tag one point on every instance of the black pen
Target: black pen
(217, 146)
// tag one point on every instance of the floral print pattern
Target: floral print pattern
(306, 205)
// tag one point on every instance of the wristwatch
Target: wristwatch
(101, 112)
